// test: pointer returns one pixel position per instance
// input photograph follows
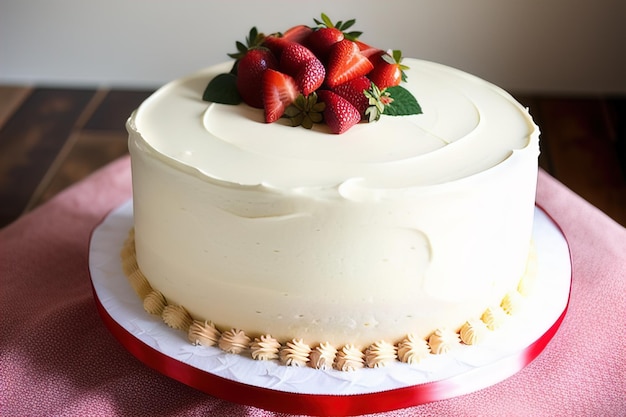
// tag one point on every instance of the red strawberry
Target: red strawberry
(299, 62)
(368, 50)
(311, 77)
(353, 91)
(277, 42)
(322, 39)
(388, 70)
(328, 33)
(339, 114)
(279, 91)
(297, 33)
(294, 57)
(345, 62)
(250, 71)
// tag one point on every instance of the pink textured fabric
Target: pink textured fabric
(57, 358)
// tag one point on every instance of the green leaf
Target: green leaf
(346, 25)
(403, 104)
(353, 36)
(222, 89)
(326, 21)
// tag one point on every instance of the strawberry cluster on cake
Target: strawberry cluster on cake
(315, 76)
(406, 235)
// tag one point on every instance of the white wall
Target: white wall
(523, 45)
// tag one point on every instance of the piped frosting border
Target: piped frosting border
(411, 349)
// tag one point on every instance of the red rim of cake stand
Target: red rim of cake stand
(324, 404)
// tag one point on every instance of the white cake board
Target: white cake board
(270, 385)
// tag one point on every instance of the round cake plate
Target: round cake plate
(272, 386)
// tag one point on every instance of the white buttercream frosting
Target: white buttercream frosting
(407, 224)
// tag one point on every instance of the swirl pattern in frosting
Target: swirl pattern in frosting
(349, 358)
(443, 341)
(380, 354)
(154, 303)
(176, 317)
(494, 317)
(413, 350)
(512, 302)
(233, 341)
(203, 333)
(473, 332)
(295, 353)
(322, 356)
(127, 253)
(265, 348)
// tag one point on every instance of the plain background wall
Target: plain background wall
(571, 46)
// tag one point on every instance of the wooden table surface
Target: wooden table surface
(52, 137)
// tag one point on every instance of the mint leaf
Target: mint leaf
(403, 104)
(222, 89)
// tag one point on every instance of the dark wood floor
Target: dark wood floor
(53, 137)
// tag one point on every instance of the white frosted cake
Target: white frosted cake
(397, 231)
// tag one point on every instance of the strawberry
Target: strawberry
(345, 62)
(329, 33)
(277, 42)
(354, 92)
(299, 62)
(253, 40)
(311, 77)
(293, 58)
(297, 33)
(322, 39)
(339, 114)
(279, 91)
(250, 71)
(388, 70)
(368, 50)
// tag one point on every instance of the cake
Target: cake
(393, 240)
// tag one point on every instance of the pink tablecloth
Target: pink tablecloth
(57, 357)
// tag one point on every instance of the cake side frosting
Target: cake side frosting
(295, 352)
(405, 225)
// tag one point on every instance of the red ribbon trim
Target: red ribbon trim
(313, 404)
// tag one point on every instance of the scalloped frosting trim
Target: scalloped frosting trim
(348, 358)
(413, 350)
(473, 332)
(322, 356)
(294, 353)
(265, 348)
(203, 333)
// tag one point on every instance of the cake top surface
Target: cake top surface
(451, 126)
(467, 126)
